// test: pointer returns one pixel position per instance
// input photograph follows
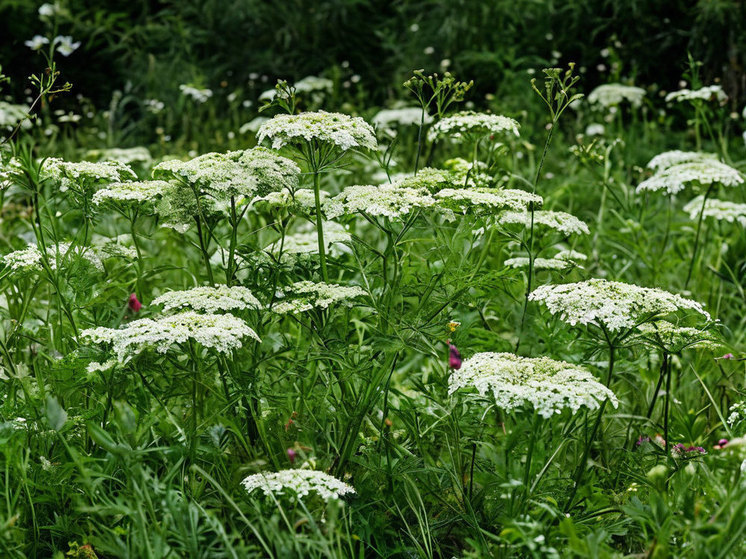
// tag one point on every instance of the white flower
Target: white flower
(570, 255)
(298, 484)
(209, 299)
(547, 385)
(127, 156)
(539, 263)
(253, 125)
(343, 131)
(314, 84)
(708, 93)
(86, 176)
(37, 42)
(720, 210)
(470, 124)
(306, 242)
(673, 338)
(611, 304)
(387, 200)
(29, 259)
(195, 93)
(563, 222)
(302, 200)
(699, 172)
(11, 114)
(48, 10)
(250, 173)
(595, 129)
(134, 191)
(612, 94)
(490, 198)
(406, 116)
(221, 332)
(667, 159)
(65, 45)
(305, 295)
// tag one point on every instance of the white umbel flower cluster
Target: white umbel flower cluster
(675, 339)
(304, 243)
(721, 210)
(343, 131)
(298, 484)
(131, 192)
(86, 175)
(388, 119)
(547, 385)
(388, 200)
(302, 200)
(465, 199)
(611, 304)
(469, 124)
(701, 172)
(139, 155)
(29, 259)
(249, 173)
(306, 295)
(209, 299)
(563, 222)
(707, 93)
(540, 263)
(613, 94)
(221, 332)
(667, 159)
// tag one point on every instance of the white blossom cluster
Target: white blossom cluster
(343, 131)
(708, 93)
(613, 94)
(667, 159)
(491, 198)
(29, 259)
(114, 248)
(209, 299)
(570, 255)
(674, 338)
(133, 191)
(195, 93)
(387, 119)
(737, 413)
(467, 124)
(128, 156)
(721, 210)
(305, 295)
(86, 175)
(388, 200)
(298, 484)
(547, 385)
(253, 125)
(221, 332)
(700, 172)
(302, 200)
(305, 242)
(429, 179)
(252, 172)
(539, 263)
(563, 222)
(11, 114)
(611, 304)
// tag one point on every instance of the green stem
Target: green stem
(696, 237)
(320, 225)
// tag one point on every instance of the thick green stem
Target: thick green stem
(696, 237)
(320, 225)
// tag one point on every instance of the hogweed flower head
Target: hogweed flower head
(613, 94)
(298, 484)
(701, 172)
(131, 192)
(547, 385)
(209, 299)
(85, 176)
(675, 339)
(387, 200)
(139, 155)
(611, 304)
(304, 243)
(220, 332)
(306, 295)
(667, 159)
(468, 124)
(707, 93)
(342, 131)
(490, 199)
(565, 223)
(720, 210)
